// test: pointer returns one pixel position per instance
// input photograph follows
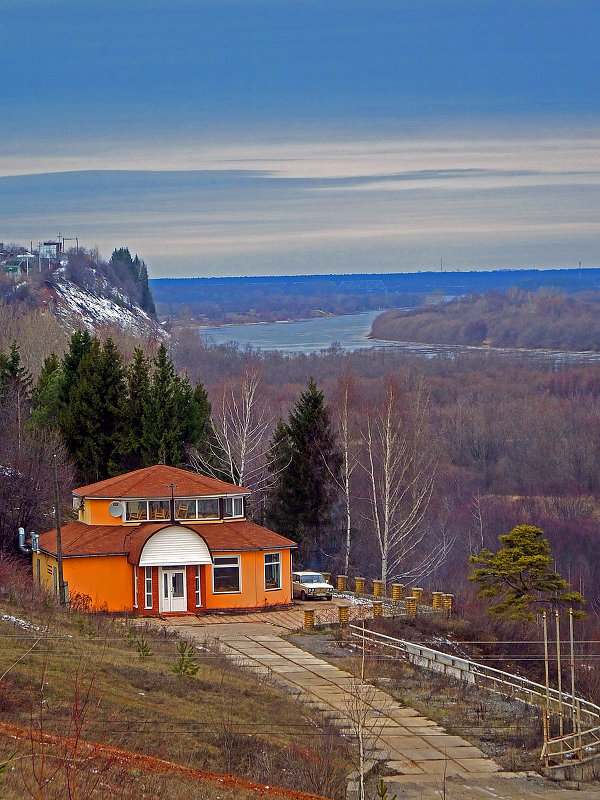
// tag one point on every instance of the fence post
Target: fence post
(411, 606)
(327, 576)
(359, 585)
(397, 591)
(447, 603)
(342, 583)
(343, 615)
(417, 593)
(437, 601)
(377, 588)
(377, 608)
(309, 618)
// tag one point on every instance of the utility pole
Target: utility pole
(62, 586)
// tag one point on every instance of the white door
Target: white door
(173, 595)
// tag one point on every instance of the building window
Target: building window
(38, 570)
(55, 579)
(159, 509)
(272, 571)
(185, 509)
(197, 585)
(136, 510)
(208, 508)
(135, 586)
(226, 574)
(233, 507)
(148, 586)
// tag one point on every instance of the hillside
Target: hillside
(80, 290)
(516, 318)
(119, 721)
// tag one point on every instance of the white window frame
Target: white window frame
(38, 570)
(269, 564)
(216, 567)
(197, 587)
(232, 502)
(148, 583)
(135, 586)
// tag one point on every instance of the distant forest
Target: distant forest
(270, 298)
(516, 318)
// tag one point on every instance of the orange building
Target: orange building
(162, 540)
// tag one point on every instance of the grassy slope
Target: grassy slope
(220, 720)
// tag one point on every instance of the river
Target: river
(350, 332)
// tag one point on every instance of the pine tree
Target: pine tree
(305, 463)
(131, 440)
(14, 377)
(521, 574)
(93, 419)
(161, 421)
(46, 394)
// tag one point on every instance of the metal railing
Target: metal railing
(580, 745)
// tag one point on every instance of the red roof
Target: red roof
(79, 539)
(156, 482)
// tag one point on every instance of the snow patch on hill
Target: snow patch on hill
(103, 306)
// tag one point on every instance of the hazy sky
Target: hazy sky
(276, 136)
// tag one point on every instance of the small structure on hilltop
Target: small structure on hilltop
(162, 540)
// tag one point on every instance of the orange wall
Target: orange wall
(253, 594)
(108, 580)
(95, 512)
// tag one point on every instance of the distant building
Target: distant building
(50, 250)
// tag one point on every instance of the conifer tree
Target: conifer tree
(46, 394)
(520, 574)
(131, 440)
(161, 421)
(93, 419)
(305, 462)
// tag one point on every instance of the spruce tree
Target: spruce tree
(305, 463)
(131, 439)
(161, 417)
(93, 419)
(46, 394)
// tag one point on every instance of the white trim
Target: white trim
(148, 594)
(174, 545)
(232, 500)
(198, 586)
(135, 586)
(239, 566)
(278, 562)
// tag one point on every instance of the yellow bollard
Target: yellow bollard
(342, 583)
(411, 606)
(397, 591)
(377, 609)
(447, 603)
(309, 618)
(327, 576)
(417, 593)
(359, 585)
(437, 601)
(377, 588)
(344, 614)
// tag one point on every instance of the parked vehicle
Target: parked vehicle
(310, 585)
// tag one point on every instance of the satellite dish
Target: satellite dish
(116, 509)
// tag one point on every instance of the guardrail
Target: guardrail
(581, 745)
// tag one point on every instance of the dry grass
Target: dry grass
(102, 680)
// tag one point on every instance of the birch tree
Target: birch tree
(348, 448)
(237, 449)
(400, 468)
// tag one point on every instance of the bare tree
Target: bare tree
(348, 446)
(400, 466)
(240, 435)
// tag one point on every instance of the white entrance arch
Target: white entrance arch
(174, 545)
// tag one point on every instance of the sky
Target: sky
(251, 137)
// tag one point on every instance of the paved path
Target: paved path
(416, 750)
(424, 762)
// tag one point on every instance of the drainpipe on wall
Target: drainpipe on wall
(33, 546)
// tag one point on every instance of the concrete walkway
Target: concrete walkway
(416, 750)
